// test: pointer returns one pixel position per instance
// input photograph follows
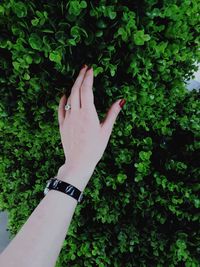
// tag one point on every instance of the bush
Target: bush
(141, 206)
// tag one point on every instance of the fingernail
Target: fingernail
(89, 67)
(84, 66)
(122, 102)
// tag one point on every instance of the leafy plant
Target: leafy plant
(141, 206)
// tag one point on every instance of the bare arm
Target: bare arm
(84, 139)
(39, 241)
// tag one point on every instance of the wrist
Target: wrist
(74, 177)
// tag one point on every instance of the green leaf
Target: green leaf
(148, 141)
(121, 178)
(48, 31)
(101, 24)
(145, 155)
(2, 10)
(36, 86)
(74, 31)
(35, 41)
(140, 38)
(20, 9)
(71, 42)
(140, 166)
(35, 21)
(197, 203)
(73, 257)
(75, 7)
(99, 33)
(112, 14)
(16, 65)
(26, 76)
(123, 33)
(83, 4)
(28, 59)
(138, 178)
(55, 56)
(97, 71)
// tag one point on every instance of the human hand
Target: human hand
(83, 137)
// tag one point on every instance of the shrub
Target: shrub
(141, 206)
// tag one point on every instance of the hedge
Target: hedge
(141, 206)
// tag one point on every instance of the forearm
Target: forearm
(39, 241)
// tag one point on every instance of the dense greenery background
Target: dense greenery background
(141, 206)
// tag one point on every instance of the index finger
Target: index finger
(86, 92)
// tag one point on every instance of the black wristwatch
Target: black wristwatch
(56, 184)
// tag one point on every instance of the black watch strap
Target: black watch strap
(56, 184)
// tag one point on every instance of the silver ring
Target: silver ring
(67, 107)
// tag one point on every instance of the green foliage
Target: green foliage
(19, 9)
(141, 206)
(35, 41)
(140, 38)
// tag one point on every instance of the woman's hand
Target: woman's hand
(83, 137)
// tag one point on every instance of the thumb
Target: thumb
(108, 123)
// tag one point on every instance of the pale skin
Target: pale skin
(84, 139)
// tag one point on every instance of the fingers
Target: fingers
(86, 92)
(109, 121)
(81, 94)
(61, 109)
(75, 92)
